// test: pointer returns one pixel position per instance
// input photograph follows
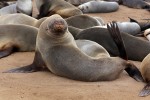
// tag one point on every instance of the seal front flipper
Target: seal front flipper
(37, 65)
(131, 69)
(145, 91)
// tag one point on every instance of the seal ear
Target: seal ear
(145, 91)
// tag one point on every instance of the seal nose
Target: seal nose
(58, 27)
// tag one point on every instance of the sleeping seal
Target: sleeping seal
(98, 7)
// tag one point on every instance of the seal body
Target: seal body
(24, 6)
(17, 38)
(82, 21)
(98, 7)
(102, 37)
(8, 9)
(17, 19)
(140, 4)
(129, 27)
(61, 7)
(145, 70)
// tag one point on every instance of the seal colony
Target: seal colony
(54, 43)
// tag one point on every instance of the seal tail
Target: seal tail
(131, 69)
(145, 91)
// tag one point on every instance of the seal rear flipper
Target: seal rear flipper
(134, 72)
(115, 34)
(7, 49)
(145, 91)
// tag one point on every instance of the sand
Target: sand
(47, 86)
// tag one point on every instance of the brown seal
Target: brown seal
(17, 38)
(57, 51)
(145, 70)
(61, 7)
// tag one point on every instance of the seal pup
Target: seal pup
(54, 43)
(98, 7)
(61, 7)
(145, 70)
(101, 36)
(17, 38)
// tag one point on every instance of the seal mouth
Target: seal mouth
(57, 27)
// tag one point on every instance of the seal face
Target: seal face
(57, 27)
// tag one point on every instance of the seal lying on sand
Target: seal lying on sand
(144, 25)
(17, 38)
(147, 34)
(21, 6)
(61, 7)
(140, 4)
(98, 7)
(145, 70)
(54, 43)
(102, 37)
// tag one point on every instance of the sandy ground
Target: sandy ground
(47, 86)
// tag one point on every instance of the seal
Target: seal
(18, 18)
(98, 7)
(17, 38)
(140, 4)
(129, 27)
(144, 24)
(101, 36)
(21, 6)
(24, 6)
(145, 70)
(79, 2)
(8, 9)
(54, 43)
(147, 34)
(61, 7)
(82, 21)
